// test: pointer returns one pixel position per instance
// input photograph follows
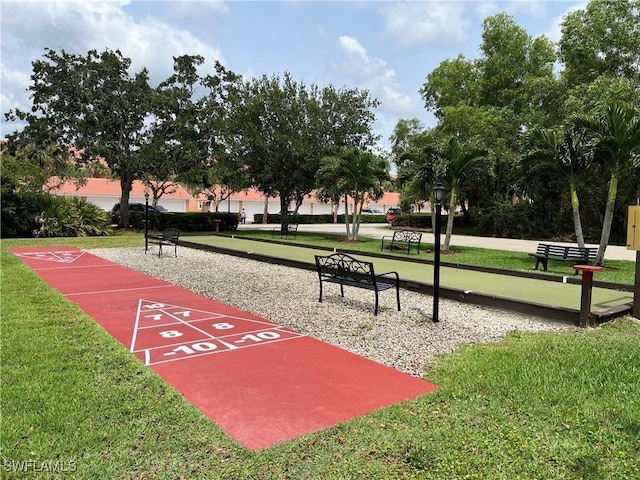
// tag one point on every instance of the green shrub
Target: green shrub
(19, 211)
(70, 217)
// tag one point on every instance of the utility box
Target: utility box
(633, 228)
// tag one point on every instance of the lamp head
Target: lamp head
(438, 192)
(146, 196)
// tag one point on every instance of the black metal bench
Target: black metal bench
(291, 231)
(563, 253)
(345, 270)
(402, 239)
(169, 237)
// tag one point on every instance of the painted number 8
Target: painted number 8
(171, 334)
(222, 326)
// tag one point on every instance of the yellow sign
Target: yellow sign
(633, 228)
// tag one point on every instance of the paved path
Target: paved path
(378, 230)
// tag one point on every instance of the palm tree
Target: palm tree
(559, 152)
(616, 143)
(357, 174)
(461, 163)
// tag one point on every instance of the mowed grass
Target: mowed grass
(544, 406)
(616, 271)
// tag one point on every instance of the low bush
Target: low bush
(70, 217)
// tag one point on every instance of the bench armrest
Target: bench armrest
(388, 274)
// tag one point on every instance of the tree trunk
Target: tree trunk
(357, 208)
(575, 208)
(265, 210)
(126, 184)
(284, 213)
(452, 209)
(346, 216)
(608, 218)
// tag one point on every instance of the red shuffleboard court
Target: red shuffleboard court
(261, 382)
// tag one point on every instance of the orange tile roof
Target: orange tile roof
(107, 187)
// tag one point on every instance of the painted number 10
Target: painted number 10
(196, 347)
(258, 337)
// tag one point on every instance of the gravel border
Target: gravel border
(406, 340)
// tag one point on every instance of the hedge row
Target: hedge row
(187, 222)
(422, 221)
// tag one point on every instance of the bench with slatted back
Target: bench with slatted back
(169, 237)
(403, 239)
(290, 231)
(563, 253)
(344, 270)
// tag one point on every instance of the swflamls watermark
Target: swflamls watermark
(52, 466)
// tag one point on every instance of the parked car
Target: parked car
(395, 210)
(371, 211)
(133, 207)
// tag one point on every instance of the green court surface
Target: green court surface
(554, 294)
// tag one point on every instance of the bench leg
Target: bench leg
(398, 297)
(320, 298)
(159, 249)
(375, 309)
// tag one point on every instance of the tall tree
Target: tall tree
(174, 146)
(93, 104)
(562, 153)
(355, 174)
(282, 128)
(453, 82)
(601, 39)
(460, 163)
(616, 140)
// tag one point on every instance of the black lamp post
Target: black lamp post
(438, 194)
(146, 222)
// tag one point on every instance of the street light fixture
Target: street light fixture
(146, 222)
(438, 195)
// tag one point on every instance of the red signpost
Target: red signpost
(391, 217)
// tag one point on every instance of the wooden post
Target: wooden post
(586, 320)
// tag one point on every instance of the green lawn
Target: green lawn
(546, 405)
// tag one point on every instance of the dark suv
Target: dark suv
(395, 210)
(133, 207)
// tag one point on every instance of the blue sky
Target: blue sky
(387, 48)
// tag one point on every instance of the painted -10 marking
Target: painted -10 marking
(258, 337)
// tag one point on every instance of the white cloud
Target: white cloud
(554, 31)
(420, 23)
(374, 75)
(29, 27)
(353, 46)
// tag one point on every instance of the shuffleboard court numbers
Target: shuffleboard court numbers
(193, 348)
(258, 337)
(171, 334)
(223, 326)
(152, 306)
(166, 332)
